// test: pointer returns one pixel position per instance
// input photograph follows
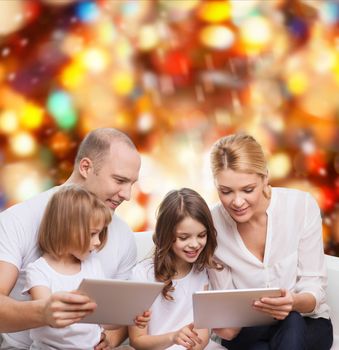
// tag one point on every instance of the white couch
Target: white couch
(145, 245)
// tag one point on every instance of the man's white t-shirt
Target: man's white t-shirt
(169, 316)
(76, 336)
(19, 226)
(294, 254)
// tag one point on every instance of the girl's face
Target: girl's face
(190, 240)
(96, 227)
(241, 194)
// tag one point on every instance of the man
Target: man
(108, 165)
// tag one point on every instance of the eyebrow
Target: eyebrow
(248, 185)
(186, 233)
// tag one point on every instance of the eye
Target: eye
(182, 238)
(202, 235)
(225, 192)
(249, 190)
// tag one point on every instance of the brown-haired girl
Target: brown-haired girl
(73, 226)
(185, 240)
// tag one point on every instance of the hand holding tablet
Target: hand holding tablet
(119, 301)
(231, 308)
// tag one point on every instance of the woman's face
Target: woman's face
(241, 194)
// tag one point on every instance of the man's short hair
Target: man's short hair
(97, 143)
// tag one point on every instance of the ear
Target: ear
(85, 167)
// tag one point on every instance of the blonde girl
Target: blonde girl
(73, 227)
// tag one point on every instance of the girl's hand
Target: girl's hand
(277, 307)
(103, 344)
(142, 321)
(186, 337)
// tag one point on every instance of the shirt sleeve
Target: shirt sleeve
(11, 244)
(312, 273)
(128, 259)
(220, 279)
(35, 276)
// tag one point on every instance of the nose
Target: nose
(238, 201)
(125, 192)
(96, 241)
(193, 243)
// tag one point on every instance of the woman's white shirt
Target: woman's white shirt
(294, 254)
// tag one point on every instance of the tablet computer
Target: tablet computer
(230, 308)
(119, 301)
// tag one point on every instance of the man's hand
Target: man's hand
(65, 308)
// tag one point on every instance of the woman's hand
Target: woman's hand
(186, 337)
(142, 320)
(277, 307)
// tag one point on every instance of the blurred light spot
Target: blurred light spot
(217, 37)
(256, 33)
(297, 83)
(87, 11)
(22, 180)
(186, 5)
(72, 75)
(23, 144)
(148, 37)
(31, 116)
(95, 60)
(214, 11)
(279, 165)
(123, 82)
(8, 122)
(60, 106)
(145, 122)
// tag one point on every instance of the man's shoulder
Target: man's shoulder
(30, 205)
(118, 225)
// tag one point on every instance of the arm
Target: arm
(58, 310)
(187, 337)
(309, 290)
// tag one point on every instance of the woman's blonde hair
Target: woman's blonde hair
(65, 226)
(238, 152)
(241, 153)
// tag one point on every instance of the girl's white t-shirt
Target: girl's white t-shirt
(169, 316)
(77, 336)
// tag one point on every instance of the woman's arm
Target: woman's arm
(187, 336)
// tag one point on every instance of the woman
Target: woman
(269, 237)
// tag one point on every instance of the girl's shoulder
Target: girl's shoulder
(144, 271)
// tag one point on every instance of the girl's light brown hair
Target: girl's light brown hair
(65, 226)
(176, 206)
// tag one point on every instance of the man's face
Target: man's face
(113, 180)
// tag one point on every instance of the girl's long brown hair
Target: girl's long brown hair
(176, 206)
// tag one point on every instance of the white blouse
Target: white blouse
(294, 253)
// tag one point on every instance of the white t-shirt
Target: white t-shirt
(19, 226)
(169, 316)
(294, 254)
(76, 336)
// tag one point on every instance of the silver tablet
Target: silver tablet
(119, 301)
(230, 308)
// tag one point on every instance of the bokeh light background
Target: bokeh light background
(175, 75)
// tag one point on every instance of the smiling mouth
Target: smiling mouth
(113, 204)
